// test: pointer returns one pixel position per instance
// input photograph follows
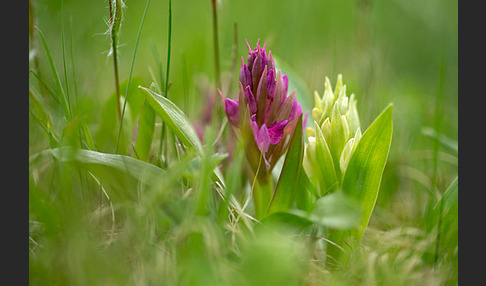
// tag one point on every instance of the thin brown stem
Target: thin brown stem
(115, 61)
(216, 47)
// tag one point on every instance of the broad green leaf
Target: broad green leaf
(287, 187)
(304, 200)
(178, 122)
(120, 171)
(294, 218)
(175, 119)
(336, 211)
(146, 126)
(362, 179)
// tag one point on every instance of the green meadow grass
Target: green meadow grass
(134, 197)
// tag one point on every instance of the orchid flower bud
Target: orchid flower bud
(336, 116)
(263, 109)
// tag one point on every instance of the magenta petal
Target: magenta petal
(271, 83)
(261, 136)
(250, 98)
(231, 110)
(254, 127)
(276, 130)
(295, 111)
(304, 123)
(245, 76)
(264, 57)
(271, 63)
(286, 83)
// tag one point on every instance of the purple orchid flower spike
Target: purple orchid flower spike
(263, 114)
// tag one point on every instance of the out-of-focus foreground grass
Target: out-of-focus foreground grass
(403, 52)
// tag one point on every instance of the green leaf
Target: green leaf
(146, 127)
(178, 122)
(294, 218)
(336, 211)
(363, 175)
(287, 186)
(120, 171)
(175, 119)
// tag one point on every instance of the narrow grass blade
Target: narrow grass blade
(444, 219)
(287, 187)
(363, 177)
(49, 89)
(445, 141)
(39, 113)
(55, 74)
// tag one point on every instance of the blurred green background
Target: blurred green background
(400, 52)
(388, 51)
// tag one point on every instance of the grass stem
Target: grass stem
(216, 46)
(113, 32)
(130, 74)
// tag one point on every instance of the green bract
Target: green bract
(333, 139)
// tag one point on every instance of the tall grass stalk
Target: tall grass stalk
(130, 74)
(168, 50)
(164, 131)
(216, 45)
(115, 24)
